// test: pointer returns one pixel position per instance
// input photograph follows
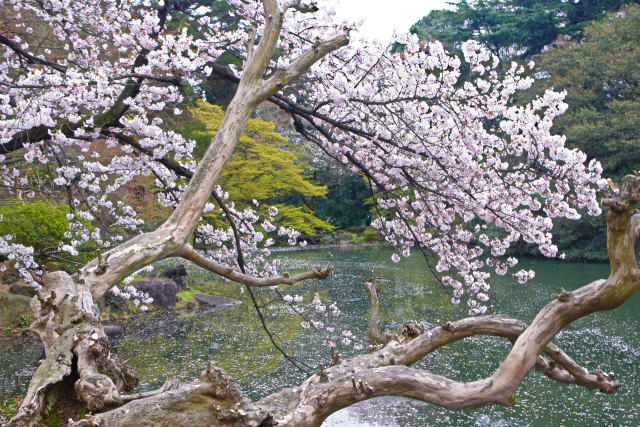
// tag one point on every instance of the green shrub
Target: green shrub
(9, 407)
(24, 320)
(41, 225)
(371, 235)
(38, 224)
(27, 291)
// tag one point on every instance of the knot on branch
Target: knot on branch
(336, 358)
(411, 330)
(374, 347)
(230, 414)
(447, 326)
(322, 374)
(563, 296)
(391, 336)
(323, 272)
(223, 387)
(123, 375)
(625, 197)
(607, 382)
(98, 391)
(360, 389)
(322, 399)
(102, 265)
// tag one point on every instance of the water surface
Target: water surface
(177, 345)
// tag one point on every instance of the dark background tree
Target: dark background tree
(602, 79)
(511, 28)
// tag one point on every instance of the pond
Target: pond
(178, 344)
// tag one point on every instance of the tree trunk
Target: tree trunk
(77, 375)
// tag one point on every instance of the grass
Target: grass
(219, 289)
(186, 296)
(9, 407)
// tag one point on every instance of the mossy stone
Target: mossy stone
(12, 306)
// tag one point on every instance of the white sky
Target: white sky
(383, 17)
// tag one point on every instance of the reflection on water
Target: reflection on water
(175, 345)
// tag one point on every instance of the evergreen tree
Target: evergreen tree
(602, 79)
(511, 28)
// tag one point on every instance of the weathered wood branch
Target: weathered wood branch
(284, 76)
(373, 292)
(260, 282)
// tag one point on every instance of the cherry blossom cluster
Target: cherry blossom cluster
(21, 256)
(138, 298)
(249, 231)
(455, 167)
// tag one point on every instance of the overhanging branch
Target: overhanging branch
(259, 282)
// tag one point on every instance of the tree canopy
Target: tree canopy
(511, 28)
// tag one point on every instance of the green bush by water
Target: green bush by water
(37, 224)
(40, 225)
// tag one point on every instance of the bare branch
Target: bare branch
(301, 64)
(300, 6)
(31, 59)
(177, 81)
(222, 270)
(373, 291)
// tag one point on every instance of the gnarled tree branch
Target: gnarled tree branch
(260, 282)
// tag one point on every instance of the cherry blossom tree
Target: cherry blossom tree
(455, 170)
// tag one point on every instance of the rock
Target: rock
(163, 291)
(176, 274)
(27, 291)
(214, 301)
(12, 307)
(111, 331)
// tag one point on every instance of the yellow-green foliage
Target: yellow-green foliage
(301, 218)
(261, 168)
(371, 235)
